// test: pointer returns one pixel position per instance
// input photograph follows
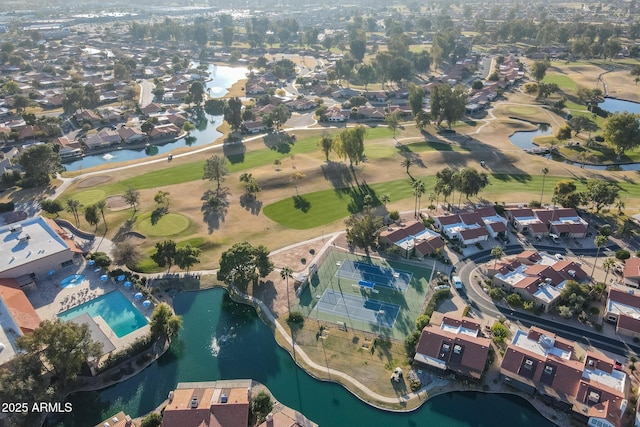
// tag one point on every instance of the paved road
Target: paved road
(146, 94)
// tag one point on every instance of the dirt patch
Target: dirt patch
(117, 203)
(293, 257)
(93, 181)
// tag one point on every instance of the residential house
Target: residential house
(544, 364)
(563, 222)
(15, 303)
(525, 221)
(456, 345)
(209, 404)
(631, 272)
(151, 109)
(164, 132)
(467, 227)
(623, 309)
(371, 113)
(495, 224)
(88, 116)
(68, 149)
(337, 114)
(118, 420)
(254, 126)
(412, 239)
(131, 135)
(302, 104)
(535, 277)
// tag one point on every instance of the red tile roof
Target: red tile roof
(18, 305)
(632, 268)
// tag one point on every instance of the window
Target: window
(548, 369)
(528, 364)
(67, 263)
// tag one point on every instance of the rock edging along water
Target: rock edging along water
(261, 308)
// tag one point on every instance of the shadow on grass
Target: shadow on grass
(250, 203)
(158, 213)
(338, 174)
(234, 152)
(214, 208)
(506, 177)
(302, 204)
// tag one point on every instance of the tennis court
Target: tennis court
(376, 274)
(359, 308)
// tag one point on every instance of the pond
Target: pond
(524, 139)
(614, 105)
(222, 339)
(221, 78)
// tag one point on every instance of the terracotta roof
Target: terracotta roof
(498, 226)
(18, 305)
(632, 268)
(519, 212)
(538, 227)
(629, 323)
(547, 215)
(448, 219)
(486, 211)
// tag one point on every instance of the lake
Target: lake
(614, 105)
(222, 339)
(221, 78)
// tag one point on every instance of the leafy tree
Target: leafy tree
(228, 34)
(622, 130)
(261, 405)
(101, 259)
(564, 133)
(471, 182)
(580, 123)
(72, 207)
(126, 253)
(416, 97)
(164, 323)
(196, 89)
(216, 169)
(385, 198)
(239, 263)
(40, 163)
(162, 199)
(152, 420)
(601, 193)
(350, 144)
(574, 296)
(444, 182)
(514, 300)
(496, 294)
(165, 254)
(539, 69)
(187, 256)
(422, 321)
(20, 103)
(280, 115)
(448, 104)
(393, 121)
(214, 107)
(131, 197)
(546, 89)
(565, 194)
(51, 206)
(499, 332)
(367, 74)
(358, 44)
(326, 142)
(62, 348)
(362, 229)
(233, 113)
(622, 254)
(147, 126)
(92, 215)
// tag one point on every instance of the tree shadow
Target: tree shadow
(279, 141)
(406, 152)
(214, 208)
(358, 194)
(234, 152)
(338, 174)
(158, 213)
(189, 140)
(250, 203)
(301, 203)
(121, 233)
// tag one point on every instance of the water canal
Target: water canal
(222, 339)
(221, 78)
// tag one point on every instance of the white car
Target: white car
(558, 256)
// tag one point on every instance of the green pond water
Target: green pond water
(222, 339)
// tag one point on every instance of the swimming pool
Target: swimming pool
(71, 281)
(121, 316)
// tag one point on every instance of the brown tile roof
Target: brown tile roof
(18, 305)
(398, 234)
(539, 227)
(498, 227)
(626, 297)
(486, 211)
(472, 233)
(632, 268)
(431, 245)
(629, 323)
(210, 411)
(448, 219)
(547, 215)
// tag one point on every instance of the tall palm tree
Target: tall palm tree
(407, 163)
(285, 274)
(101, 205)
(72, 207)
(246, 178)
(497, 253)
(385, 198)
(608, 265)
(418, 190)
(599, 241)
(544, 171)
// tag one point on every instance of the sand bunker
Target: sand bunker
(117, 203)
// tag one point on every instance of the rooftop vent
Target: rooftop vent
(114, 419)
(194, 402)
(15, 229)
(25, 238)
(224, 398)
(572, 273)
(546, 341)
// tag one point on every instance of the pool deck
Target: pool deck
(49, 299)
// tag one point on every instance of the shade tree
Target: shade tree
(243, 263)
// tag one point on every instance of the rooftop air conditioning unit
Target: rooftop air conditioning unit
(194, 402)
(572, 273)
(224, 398)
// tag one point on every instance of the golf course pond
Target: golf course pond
(222, 339)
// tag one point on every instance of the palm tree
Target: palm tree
(72, 207)
(599, 241)
(620, 206)
(101, 205)
(246, 178)
(407, 163)
(544, 171)
(418, 190)
(385, 198)
(608, 265)
(497, 253)
(285, 274)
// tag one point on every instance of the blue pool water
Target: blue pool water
(121, 316)
(71, 281)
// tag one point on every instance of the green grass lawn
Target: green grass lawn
(318, 208)
(563, 82)
(170, 224)
(90, 197)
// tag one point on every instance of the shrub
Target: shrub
(152, 420)
(466, 310)
(303, 260)
(594, 310)
(496, 293)
(535, 204)
(312, 251)
(411, 342)
(101, 259)
(295, 317)
(394, 215)
(514, 300)
(499, 332)
(422, 321)
(623, 254)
